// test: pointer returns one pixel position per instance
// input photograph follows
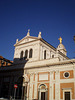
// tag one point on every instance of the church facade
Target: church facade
(41, 71)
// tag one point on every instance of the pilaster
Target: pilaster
(35, 86)
(57, 85)
(31, 87)
(28, 91)
(41, 53)
(51, 86)
(74, 80)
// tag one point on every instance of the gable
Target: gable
(26, 40)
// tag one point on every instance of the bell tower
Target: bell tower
(61, 47)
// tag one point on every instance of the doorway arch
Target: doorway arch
(42, 92)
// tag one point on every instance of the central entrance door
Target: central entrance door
(42, 92)
(67, 95)
(42, 95)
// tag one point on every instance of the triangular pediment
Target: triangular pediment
(26, 39)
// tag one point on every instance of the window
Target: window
(26, 54)
(30, 53)
(2, 62)
(66, 74)
(67, 93)
(21, 55)
(45, 54)
(5, 89)
(6, 63)
(52, 56)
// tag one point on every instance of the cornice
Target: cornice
(49, 65)
(63, 55)
(48, 44)
(21, 66)
(26, 42)
(17, 44)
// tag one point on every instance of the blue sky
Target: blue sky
(54, 18)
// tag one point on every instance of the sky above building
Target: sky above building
(54, 18)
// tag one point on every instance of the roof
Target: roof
(2, 58)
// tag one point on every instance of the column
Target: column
(35, 86)
(57, 85)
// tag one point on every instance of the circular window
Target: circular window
(66, 74)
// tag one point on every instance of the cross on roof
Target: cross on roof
(60, 39)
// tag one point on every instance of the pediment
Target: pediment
(26, 40)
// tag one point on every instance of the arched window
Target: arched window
(45, 54)
(21, 55)
(42, 86)
(26, 54)
(30, 53)
(52, 56)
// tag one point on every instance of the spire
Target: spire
(39, 35)
(60, 39)
(28, 34)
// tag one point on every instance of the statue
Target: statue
(39, 35)
(28, 34)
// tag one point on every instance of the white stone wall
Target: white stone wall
(31, 87)
(49, 51)
(38, 50)
(35, 86)
(57, 85)
(51, 81)
(34, 46)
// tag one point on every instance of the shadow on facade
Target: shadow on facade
(10, 75)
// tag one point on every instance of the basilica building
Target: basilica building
(41, 71)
